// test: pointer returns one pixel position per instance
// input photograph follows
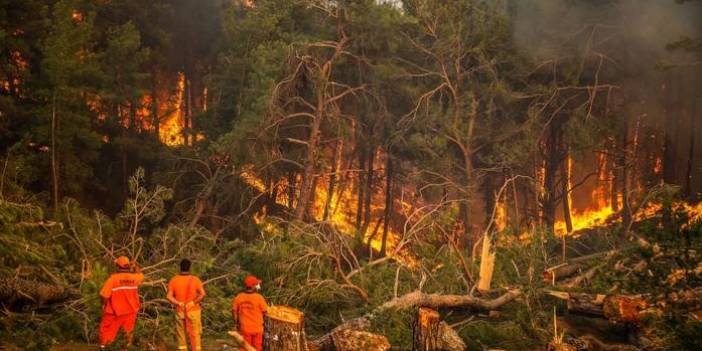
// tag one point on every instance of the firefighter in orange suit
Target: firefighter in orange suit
(120, 301)
(185, 291)
(248, 309)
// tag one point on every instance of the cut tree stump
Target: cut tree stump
(431, 334)
(426, 330)
(285, 330)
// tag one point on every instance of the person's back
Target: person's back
(250, 307)
(248, 310)
(120, 299)
(185, 291)
(121, 290)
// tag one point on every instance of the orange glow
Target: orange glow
(76, 16)
(658, 166)
(171, 126)
(501, 216)
(341, 212)
(586, 219)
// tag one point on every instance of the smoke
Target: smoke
(550, 28)
(659, 88)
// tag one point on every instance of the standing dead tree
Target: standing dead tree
(309, 97)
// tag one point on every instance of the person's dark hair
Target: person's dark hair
(185, 265)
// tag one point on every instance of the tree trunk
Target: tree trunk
(388, 203)
(368, 192)
(431, 334)
(689, 192)
(554, 274)
(487, 263)
(614, 176)
(360, 189)
(616, 308)
(308, 172)
(565, 200)
(54, 155)
(548, 200)
(336, 159)
(155, 120)
(426, 330)
(624, 165)
(285, 330)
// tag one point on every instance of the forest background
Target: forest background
(346, 152)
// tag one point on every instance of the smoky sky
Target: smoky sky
(547, 28)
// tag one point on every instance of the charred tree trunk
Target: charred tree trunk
(285, 330)
(553, 159)
(54, 155)
(310, 161)
(389, 173)
(689, 192)
(565, 200)
(336, 159)
(291, 189)
(368, 192)
(624, 164)
(360, 189)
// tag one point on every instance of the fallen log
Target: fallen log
(354, 340)
(24, 292)
(285, 329)
(616, 308)
(575, 266)
(413, 300)
(554, 274)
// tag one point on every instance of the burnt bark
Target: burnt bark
(565, 197)
(54, 155)
(389, 173)
(360, 191)
(336, 158)
(369, 191)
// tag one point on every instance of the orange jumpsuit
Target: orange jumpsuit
(188, 320)
(120, 311)
(250, 308)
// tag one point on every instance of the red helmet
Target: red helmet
(122, 262)
(251, 281)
